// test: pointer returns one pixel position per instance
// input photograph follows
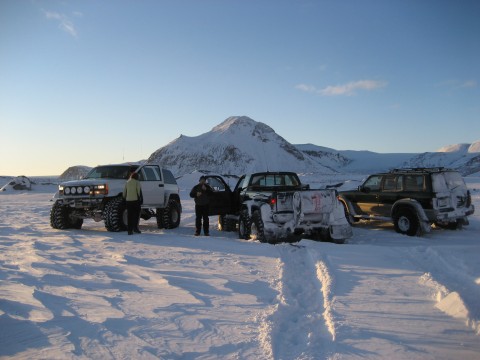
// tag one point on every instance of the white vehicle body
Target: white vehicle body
(99, 196)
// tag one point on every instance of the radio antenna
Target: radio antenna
(265, 156)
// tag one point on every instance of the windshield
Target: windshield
(448, 181)
(110, 172)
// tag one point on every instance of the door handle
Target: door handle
(160, 185)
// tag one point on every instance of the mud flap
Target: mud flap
(425, 227)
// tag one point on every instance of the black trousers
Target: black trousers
(201, 214)
(133, 215)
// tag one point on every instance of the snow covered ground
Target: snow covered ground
(165, 294)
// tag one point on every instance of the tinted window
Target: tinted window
(157, 172)
(414, 182)
(274, 180)
(373, 182)
(168, 177)
(150, 173)
(216, 184)
(392, 183)
(241, 183)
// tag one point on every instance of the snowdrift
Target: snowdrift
(17, 183)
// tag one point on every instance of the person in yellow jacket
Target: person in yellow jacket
(133, 196)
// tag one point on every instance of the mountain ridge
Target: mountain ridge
(240, 144)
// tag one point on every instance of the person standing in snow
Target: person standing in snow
(132, 193)
(200, 193)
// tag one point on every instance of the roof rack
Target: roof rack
(419, 169)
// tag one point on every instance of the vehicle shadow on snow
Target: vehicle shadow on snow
(383, 233)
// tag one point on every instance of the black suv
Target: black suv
(413, 199)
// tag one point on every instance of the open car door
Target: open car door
(221, 201)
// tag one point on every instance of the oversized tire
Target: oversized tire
(115, 215)
(257, 228)
(244, 225)
(225, 224)
(159, 216)
(59, 217)
(406, 222)
(171, 215)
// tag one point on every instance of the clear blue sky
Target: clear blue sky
(92, 82)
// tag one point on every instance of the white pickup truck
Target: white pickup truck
(98, 196)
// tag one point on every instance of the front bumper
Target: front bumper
(82, 203)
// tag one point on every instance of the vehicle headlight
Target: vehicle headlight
(100, 189)
(74, 190)
(86, 189)
(67, 191)
(79, 190)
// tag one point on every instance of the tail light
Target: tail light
(272, 201)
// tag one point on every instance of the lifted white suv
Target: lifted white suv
(98, 196)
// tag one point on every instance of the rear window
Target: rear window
(448, 181)
(274, 180)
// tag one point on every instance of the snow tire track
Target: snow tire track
(301, 318)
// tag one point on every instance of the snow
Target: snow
(465, 148)
(454, 148)
(165, 294)
(17, 183)
(475, 147)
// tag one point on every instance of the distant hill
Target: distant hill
(75, 172)
(463, 157)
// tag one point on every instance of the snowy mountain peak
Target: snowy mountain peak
(238, 145)
(454, 148)
(475, 147)
(235, 124)
(465, 148)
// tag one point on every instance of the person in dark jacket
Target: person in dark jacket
(132, 195)
(200, 193)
